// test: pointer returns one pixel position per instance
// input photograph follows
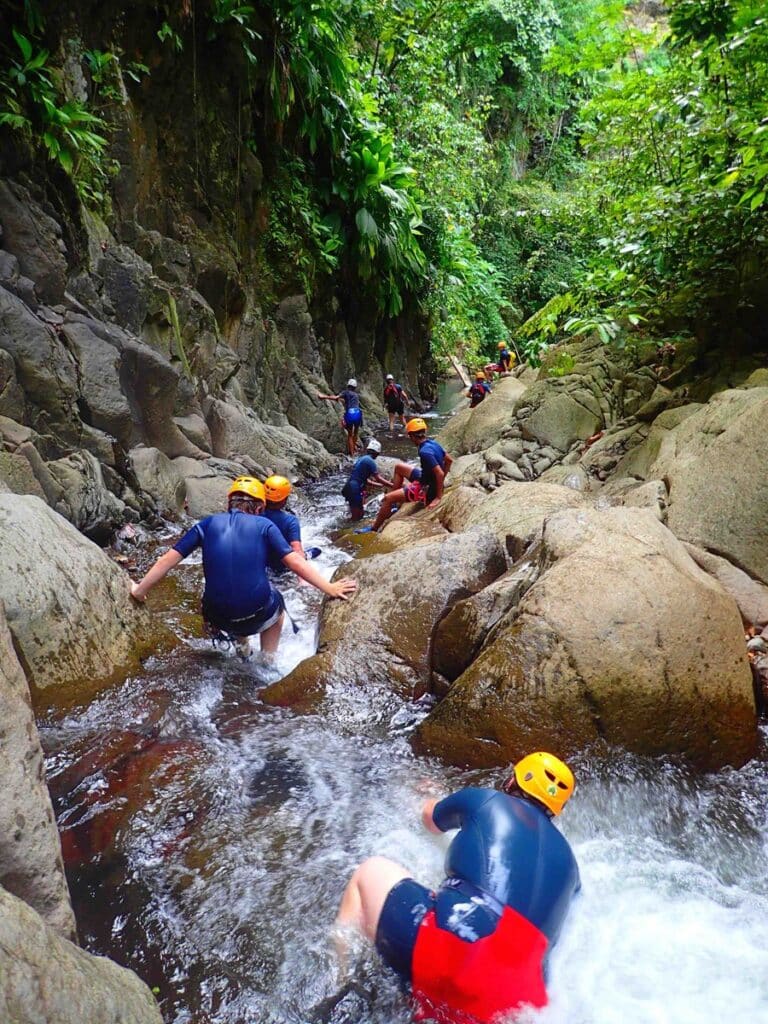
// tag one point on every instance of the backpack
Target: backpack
(477, 392)
(391, 390)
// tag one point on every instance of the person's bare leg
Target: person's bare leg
(391, 421)
(366, 891)
(386, 508)
(401, 474)
(270, 638)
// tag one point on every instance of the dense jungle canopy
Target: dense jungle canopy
(523, 168)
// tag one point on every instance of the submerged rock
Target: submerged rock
(622, 639)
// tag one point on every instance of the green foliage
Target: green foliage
(562, 366)
(166, 34)
(30, 103)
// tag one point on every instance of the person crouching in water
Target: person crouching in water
(352, 418)
(278, 490)
(364, 473)
(420, 484)
(237, 544)
(478, 946)
(478, 390)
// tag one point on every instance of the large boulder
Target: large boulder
(749, 595)
(84, 497)
(712, 460)
(31, 866)
(67, 604)
(623, 639)
(472, 430)
(160, 477)
(35, 240)
(45, 978)
(381, 637)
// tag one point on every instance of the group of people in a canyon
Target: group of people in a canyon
(478, 946)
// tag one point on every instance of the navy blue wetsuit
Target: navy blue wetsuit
(363, 468)
(431, 454)
(289, 526)
(237, 547)
(511, 878)
(351, 401)
(505, 358)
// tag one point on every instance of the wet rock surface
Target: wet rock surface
(622, 639)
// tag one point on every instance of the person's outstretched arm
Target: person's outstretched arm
(341, 588)
(329, 398)
(161, 568)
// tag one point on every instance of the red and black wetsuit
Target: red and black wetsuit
(478, 946)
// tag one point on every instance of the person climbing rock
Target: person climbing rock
(364, 473)
(478, 946)
(352, 418)
(278, 490)
(507, 359)
(478, 389)
(238, 600)
(395, 400)
(419, 484)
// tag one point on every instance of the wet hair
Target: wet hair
(244, 503)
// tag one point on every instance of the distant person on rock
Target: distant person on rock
(478, 389)
(352, 418)
(395, 400)
(277, 490)
(239, 601)
(477, 947)
(419, 484)
(364, 473)
(507, 359)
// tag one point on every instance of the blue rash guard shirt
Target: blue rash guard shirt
(350, 398)
(431, 454)
(289, 526)
(509, 850)
(236, 550)
(364, 468)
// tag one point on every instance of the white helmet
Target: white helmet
(351, 383)
(374, 446)
(389, 377)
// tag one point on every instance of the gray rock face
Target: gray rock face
(160, 477)
(749, 595)
(472, 430)
(67, 604)
(622, 639)
(30, 854)
(381, 637)
(45, 978)
(35, 240)
(85, 500)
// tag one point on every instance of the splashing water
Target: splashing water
(209, 838)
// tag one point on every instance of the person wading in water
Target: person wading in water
(238, 600)
(477, 947)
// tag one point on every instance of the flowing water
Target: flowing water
(208, 839)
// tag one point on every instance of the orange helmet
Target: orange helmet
(502, 344)
(479, 375)
(249, 486)
(416, 426)
(546, 778)
(277, 488)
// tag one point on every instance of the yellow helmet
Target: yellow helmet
(479, 375)
(277, 488)
(502, 344)
(546, 778)
(416, 426)
(250, 486)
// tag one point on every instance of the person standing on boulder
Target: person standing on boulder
(352, 418)
(364, 473)
(419, 484)
(277, 490)
(238, 600)
(395, 400)
(506, 358)
(477, 948)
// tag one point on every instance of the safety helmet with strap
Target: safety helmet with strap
(546, 778)
(277, 488)
(249, 486)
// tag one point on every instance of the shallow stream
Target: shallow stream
(208, 839)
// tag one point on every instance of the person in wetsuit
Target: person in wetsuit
(395, 401)
(352, 418)
(478, 946)
(238, 600)
(364, 473)
(278, 490)
(422, 484)
(478, 390)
